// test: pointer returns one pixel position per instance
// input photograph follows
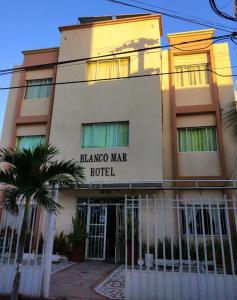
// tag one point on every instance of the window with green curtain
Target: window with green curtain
(38, 88)
(30, 142)
(197, 139)
(105, 135)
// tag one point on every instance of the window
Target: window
(197, 139)
(104, 69)
(208, 220)
(38, 88)
(30, 142)
(105, 135)
(191, 75)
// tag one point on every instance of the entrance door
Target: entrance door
(96, 226)
(119, 244)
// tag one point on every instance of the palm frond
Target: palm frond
(230, 119)
(10, 198)
(7, 155)
(7, 176)
(42, 197)
(44, 153)
(64, 172)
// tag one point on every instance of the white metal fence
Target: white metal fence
(34, 252)
(181, 248)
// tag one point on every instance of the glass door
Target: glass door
(96, 227)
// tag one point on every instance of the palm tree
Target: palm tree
(28, 174)
(230, 118)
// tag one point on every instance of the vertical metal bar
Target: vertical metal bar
(19, 229)
(126, 234)
(204, 246)
(235, 211)
(88, 230)
(179, 234)
(155, 240)
(195, 235)
(3, 213)
(105, 229)
(196, 245)
(156, 234)
(32, 230)
(11, 240)
(187, 235)
(221, 237)
(140, 231)
(4, 240)
(180, 245)
(140, 243)
(94, 236)
(204, 237)
(133, 232)
(42, 259)
(212, 236)
(163, 233)
(171, 233)
(147, 231)
(163, 242)
(170, 213)
(37, 249)
(229, 236)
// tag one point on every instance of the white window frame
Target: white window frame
(186, 130)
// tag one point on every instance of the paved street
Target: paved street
(77, 281)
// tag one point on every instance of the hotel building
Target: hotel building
(136, 132)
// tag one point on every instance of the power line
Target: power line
(221, 13)
(167, 14)
(190, 16)
(32, 67)
(116, 78)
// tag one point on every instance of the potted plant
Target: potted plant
(77, 240)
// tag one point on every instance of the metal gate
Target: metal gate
(181, 248)
(36, 266)
(96, 227)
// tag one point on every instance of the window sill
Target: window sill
(192, 86)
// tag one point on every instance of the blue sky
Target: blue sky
(27, 24)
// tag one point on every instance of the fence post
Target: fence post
(48, 249)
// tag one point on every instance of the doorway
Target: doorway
(104, 222)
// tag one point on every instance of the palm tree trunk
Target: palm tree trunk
(20, 252)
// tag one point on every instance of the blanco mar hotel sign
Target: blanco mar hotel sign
(103, 158)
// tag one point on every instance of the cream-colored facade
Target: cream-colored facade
(154, 108)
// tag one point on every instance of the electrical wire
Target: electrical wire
(190, 16)
(167, 15)
(116, 78)
(33, 67)
(221, 13)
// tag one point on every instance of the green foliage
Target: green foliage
(61, 245)
(27, 173)
(79, 232)
(230, 119)
(212, 249)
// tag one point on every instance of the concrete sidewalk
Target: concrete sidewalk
(77, 281)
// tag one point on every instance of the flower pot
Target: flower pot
(149, 260)
(78, 252)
